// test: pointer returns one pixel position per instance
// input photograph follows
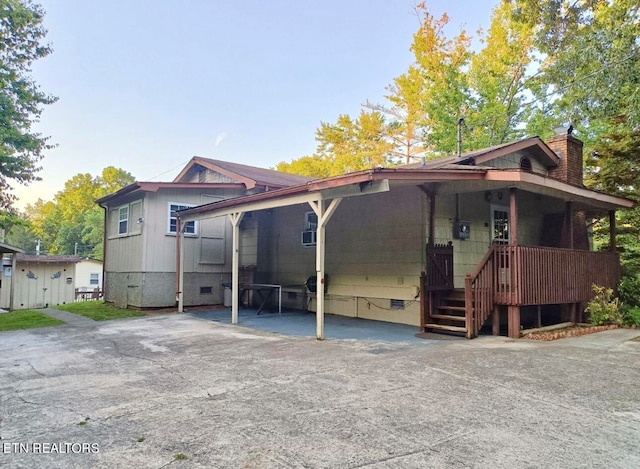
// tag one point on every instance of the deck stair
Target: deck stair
(449, 315)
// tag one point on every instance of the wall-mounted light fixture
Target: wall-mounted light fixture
(488, 196)
(499, 195)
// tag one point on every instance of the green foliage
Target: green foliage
(632, 317)
(21, 100)
(346, 146)
(604, 308)
(629, 291)
(73, 223)
(99, 310)
(180, 456)
(26, 319)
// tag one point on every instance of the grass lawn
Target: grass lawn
(26, 319)
(99, 310)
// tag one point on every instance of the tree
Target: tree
(591, 55)
(21, 100)
(346, 146)
(442, 62)
(73, 223)
(405, 113)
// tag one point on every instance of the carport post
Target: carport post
(235, 219)
(323, 218)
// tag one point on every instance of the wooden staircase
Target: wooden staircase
(449, 314)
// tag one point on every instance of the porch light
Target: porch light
(488, 196)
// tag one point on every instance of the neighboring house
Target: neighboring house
(30, 281)
(500, 234)
(140, 234)
(88, 275)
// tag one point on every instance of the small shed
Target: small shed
(8, 257)
(43, 281)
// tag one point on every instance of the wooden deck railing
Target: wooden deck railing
(479, 293)
(531, 275)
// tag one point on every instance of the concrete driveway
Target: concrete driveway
(150, 392)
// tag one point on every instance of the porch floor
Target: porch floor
(303, 324)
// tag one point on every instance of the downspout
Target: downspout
(178, 273)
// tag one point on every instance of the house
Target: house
(140, 234)
(494, 238)
(33, 281)
(88, 279)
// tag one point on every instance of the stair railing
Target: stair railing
(479, 290)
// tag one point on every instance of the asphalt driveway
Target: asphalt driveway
(183, 391)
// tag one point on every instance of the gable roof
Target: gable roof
(533, 145)
(156, 186)
(250, 176)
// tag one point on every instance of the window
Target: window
(310, 221)
(500, 224)
(123, 220)
(190, 226)
(94, 279)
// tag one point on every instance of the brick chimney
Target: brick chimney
(569, 149)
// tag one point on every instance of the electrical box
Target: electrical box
(461, 229)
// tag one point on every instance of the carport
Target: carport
(322, 196)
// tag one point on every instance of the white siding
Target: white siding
(39, 285)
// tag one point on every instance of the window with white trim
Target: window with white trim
(500, 224)
(123, 220)
(189, 227)
(94, 279)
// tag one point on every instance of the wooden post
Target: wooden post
(235, 219)
(495, 327)
(423, 300)
(612, 230)
(432, 218)
(468, 308)
(513, 215)
(514, 321)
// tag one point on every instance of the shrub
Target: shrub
(604, 308)
(632, 317)
(629, 291)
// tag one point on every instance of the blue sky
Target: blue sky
(144, 85)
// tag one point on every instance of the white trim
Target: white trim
(502, 208)
(182, 206)
(120, 220)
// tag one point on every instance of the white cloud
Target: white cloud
(221, 137)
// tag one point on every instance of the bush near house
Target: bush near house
(605, 309)
(26, 319)
(99, 310)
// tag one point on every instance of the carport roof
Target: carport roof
(458, 178)
(8, 249)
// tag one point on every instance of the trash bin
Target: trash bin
(227, 294)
